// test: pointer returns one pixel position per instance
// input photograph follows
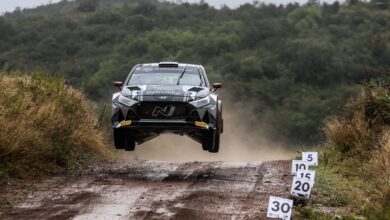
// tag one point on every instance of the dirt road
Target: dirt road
(156, 190)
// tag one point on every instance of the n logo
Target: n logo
(167, 111)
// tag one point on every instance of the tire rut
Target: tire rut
(154, 190)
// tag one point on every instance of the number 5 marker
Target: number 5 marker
(311, 158)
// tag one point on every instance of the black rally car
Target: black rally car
(167, 97)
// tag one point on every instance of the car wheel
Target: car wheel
(124, 140)
(130, 142)
(205, 144)
(220, 118)
(119, 139)
(215, 146)
(211, 141)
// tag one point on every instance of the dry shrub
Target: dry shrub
(45, 126)
(360, 139)
(381, 162)
(355, 134)
(379, 170)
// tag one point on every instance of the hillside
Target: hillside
(291, 65)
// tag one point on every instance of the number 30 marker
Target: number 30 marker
(279, 208)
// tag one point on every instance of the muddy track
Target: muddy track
(154, 190)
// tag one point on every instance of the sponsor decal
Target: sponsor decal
(124, 123)
(201, 124)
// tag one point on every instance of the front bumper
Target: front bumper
(171, 125)
(195, 119)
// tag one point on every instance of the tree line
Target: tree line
(292, 65)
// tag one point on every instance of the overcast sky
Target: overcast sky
(10, 5)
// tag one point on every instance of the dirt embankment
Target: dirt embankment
(151, 190)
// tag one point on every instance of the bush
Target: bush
(366, 120)
(45, 126)
(359, 145)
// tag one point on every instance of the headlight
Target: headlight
(126, 101)
(201, 102)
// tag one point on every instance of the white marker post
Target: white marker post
(279, 208)
(298, 165)
(311, 158)
(301, 187)
(309, 175)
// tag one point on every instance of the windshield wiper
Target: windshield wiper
(181, 76)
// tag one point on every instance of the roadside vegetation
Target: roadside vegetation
(354, 176)
(46, 127)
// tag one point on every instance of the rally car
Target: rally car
(167, 97)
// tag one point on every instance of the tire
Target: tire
(130, 143)
(205, 143)
(124, 140)
(220, 118)
(119, 140)
(216, 140)
(211, 139)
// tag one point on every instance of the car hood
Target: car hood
(164, 93)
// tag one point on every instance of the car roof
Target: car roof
(171, 63)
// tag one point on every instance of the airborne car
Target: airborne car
(167, 97)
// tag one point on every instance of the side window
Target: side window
(192, 78)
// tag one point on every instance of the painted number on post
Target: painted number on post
(301, 187)
(298, 165)
(279, 208)
(309, 175)
(311, 158)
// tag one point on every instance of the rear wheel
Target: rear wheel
(220, 118)
(123, 139)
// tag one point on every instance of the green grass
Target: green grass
(354, 173)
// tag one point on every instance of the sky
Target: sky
(10, 5)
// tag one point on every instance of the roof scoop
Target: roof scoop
(169, 64)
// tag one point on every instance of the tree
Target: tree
(88, 5)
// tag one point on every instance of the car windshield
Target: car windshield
(165, 76)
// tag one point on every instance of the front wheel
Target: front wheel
(211, 139)
(123, 139)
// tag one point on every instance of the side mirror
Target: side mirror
(217, 86)
(118, 84)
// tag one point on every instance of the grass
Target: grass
(45, 127)
(354, 173)
(310, 214)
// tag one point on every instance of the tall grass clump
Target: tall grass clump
(358, 144)
(45, 126)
